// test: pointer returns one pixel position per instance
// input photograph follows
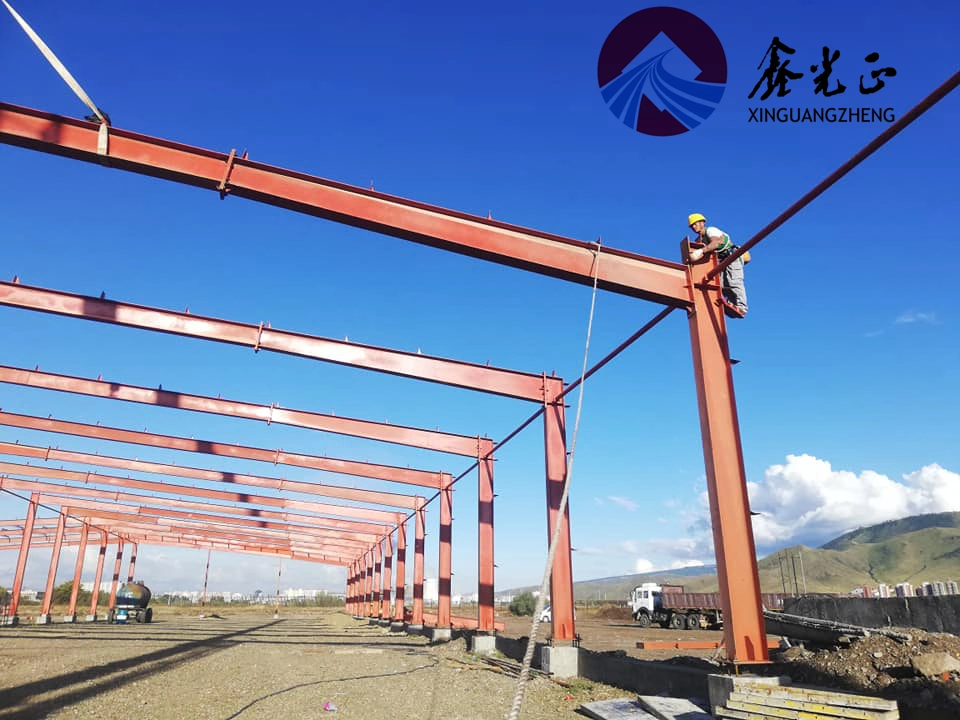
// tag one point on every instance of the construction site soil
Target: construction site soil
(249, 664)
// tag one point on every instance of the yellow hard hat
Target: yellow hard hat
(695, 217)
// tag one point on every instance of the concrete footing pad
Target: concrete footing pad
(372, 621)
(415, 630)
(43, 620)
(440, 635)
(11, 621)
(92, 618)
(69, 618)
(483, 644)
(398, 627)
(383, 623)
(561, 662)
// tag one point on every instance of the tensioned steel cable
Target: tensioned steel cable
(919, 109)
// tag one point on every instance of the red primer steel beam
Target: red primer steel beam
(363, 532)
(154, 514)
(510, 383)
(485, 572)
(127, 521)
(400, 594)
(377, 581)
(457, 622)
(101, 556)
(444, 564)
(409, 476)
(418, 544)
(116, 575)
(78, 572)
(531, 250)
(387, 577)
(308, 488)
(24, 552)
(744, 629)
(398, 434)
(54, 562)
(561, 580)
(389, 518)
(133, 562)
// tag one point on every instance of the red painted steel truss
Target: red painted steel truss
(671, 284)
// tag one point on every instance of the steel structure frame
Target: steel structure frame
(671, 284)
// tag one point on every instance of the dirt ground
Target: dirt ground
(249, 665)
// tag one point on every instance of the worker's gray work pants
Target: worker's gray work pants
(733, 289)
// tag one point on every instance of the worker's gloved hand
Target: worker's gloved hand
(696, 254)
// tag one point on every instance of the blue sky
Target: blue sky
(847, 388)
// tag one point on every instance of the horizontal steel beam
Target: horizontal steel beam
(346, 529)
(525, 386)
(424, 478)
(321, 490)
(382, 516)
(427, 439)
(619, 271)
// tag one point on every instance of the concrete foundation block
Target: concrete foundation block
(373, 621)
(383, 623)
(440, 635)
(43, 620)
(69, 618)
(415, 630)
(721, 687)
(11, 620)
(92, 618)
(398, 627)
(483, 644)
(561, 662)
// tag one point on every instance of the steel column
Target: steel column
(54, 562)
(744, 630)
(78, 572)
(485, 572)
(418, 545)
(116, 575)
(561, 580)
(24, 552)
(133, 562)
(387, 576)
(532, 250)
(401, 575)
(95, 595)
(444, 564)
(377, 579)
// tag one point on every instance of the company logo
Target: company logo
(662, 71)
(778, 74)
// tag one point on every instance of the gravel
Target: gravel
(251, 665)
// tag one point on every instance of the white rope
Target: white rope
(532, 642)
(102, 138)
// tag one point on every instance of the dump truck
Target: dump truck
(670, 607)
(133, 600)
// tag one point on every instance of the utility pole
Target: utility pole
(783, 579)
(276, 612)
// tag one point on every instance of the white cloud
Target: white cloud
(599, 501)
(806, 500)
(678, 564)
(642, 565)
(623, 502)
(909, 317)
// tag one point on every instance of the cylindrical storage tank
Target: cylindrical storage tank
(133, 594)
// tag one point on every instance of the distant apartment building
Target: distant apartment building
(939, 588)
(883, 590)
(952, 588)
(904, 590)
(927, 589)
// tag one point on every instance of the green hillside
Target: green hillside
(924, 548)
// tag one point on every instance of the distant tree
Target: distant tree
(4, 595)
(61, 594)
(523, 604)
